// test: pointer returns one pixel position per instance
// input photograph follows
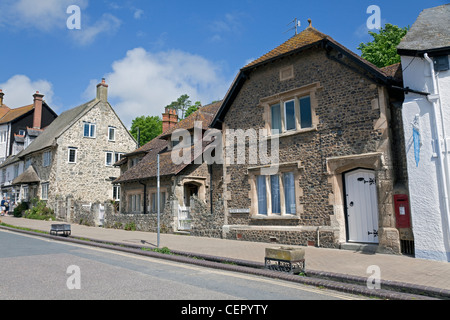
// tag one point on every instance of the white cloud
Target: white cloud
(138, 13)
(44, 15)
(87, 34)
(51, 15)
(19, 91)
(143, 83)
(229, 24)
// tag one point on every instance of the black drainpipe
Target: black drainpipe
(210, 187)
(145, 197)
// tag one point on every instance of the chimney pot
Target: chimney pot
(1, 97)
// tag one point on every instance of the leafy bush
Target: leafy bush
(21, 207)
(40, 211)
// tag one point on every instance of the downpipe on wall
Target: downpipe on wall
(443, 155)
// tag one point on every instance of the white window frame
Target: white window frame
(75, 155)
(25, 193)
(116, 193)
(111, 163)
(118, 156)
(113, 130)
(44, 191)
(92, 130)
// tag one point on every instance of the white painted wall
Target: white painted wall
(428, 196)
(4, 141)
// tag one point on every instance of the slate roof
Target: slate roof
(57, 127)
(147, 167)
(431, 31)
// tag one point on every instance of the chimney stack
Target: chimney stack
(102, 91)
(170, 119)
(37, 118)
(1, 97)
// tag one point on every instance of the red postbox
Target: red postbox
(402, 216)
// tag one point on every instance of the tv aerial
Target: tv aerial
(296, 24)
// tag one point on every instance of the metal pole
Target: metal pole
(158, 202)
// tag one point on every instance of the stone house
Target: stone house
(181, 183)
(74, 157)
(328, 117)
(424, 55)
(18, 128)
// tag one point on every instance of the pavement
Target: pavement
(401, 277)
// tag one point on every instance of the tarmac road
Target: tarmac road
(43, 269)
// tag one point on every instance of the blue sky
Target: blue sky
(151, 52)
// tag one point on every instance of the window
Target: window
(289, 115)
(25, 194)
(44, 195)
(111, 134)
(288, 119)
(305, 112)
(154, 202)
(46, 158)
(118, 156)
(16, 171)
(135, 203)
(89, 130)
(289, 192)
(109, 159)
(262, 194)
(72, 157)
(21, 132)
(276, 118)
(274, 187)
(116, 193)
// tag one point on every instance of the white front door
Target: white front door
(362, 206)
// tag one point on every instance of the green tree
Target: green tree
(148, 128)
(197, 105)
(382, 50)
(182, 105)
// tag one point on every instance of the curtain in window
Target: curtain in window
(262, 194)
(305, 112)
(289, 192)
(275, 193)
(276, 119)
(290, 115)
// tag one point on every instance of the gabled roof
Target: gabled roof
(147, 167)
(308, 38)
(57, 127)
(429, 33)
(13, 114)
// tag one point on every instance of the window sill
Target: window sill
(275, 217)
(290, 133)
